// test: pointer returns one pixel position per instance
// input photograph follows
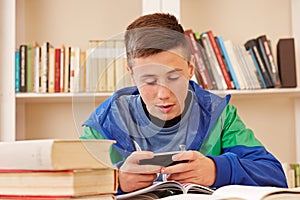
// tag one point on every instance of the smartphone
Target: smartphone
(162, 159)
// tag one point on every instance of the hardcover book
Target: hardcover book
(63, 183)
(55, 154)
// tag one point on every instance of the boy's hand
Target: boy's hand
(133, 176)
(200, 169)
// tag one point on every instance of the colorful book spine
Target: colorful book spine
(220, 60)
(23, 62)
(228, 62)
(17, 71)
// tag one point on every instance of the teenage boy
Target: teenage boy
(165, 109)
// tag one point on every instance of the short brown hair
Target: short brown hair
(153, 33)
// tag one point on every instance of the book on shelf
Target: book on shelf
(51, 70)
(219, 58)
(23, 63)
(36, 68)
(206, 60)
(247, 68)
(201, 72)
(30, 66)
(54, 183)
(219, 78)
(243, 192)
(67, 69)
(110, 66)
(75, 69)
(44, 66)
(17, 71)
(233, 56)
(256, 64)
(287, 62)
(57, 69)
(55, 154)
(267, 59)
(227, 60)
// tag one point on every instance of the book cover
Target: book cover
(29, 67)
(55, 154)
(68, 183)
(219, 58)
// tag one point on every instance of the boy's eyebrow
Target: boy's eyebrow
(175, 70)
(153, 75)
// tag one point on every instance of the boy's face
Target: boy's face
(162, 80)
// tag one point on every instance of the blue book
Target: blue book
(227, 61)
(264, 85)
(17, 71)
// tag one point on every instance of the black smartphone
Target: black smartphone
(162, 159)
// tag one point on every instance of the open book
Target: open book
(172, 190)
(164, 189)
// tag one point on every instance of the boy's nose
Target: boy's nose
(163, 92)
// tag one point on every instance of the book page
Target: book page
(248, 192)
(157, 187)
(195, 188)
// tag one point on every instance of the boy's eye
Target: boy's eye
(150, 81)
(174, 77)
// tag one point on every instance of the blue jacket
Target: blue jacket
(221, 135)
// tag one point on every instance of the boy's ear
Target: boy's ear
(130, 73)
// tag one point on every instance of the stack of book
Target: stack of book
(221, 65)
(57, 169)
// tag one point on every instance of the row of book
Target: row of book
(221, 65)
(45, 68)
(57, 169)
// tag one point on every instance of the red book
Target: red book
(200, 69)
(57, 70)
(220, 59)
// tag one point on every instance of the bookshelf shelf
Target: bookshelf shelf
(60, 97)
(100, 96)
(291, 92)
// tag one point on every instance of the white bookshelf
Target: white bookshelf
(59, 115)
